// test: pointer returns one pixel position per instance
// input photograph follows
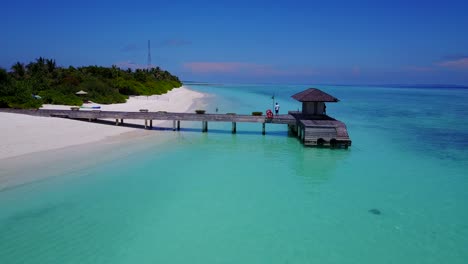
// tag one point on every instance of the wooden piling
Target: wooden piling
(151, 123)
(116, 122)
(234, 127)
(121, 121)
(178, 125)
(263, 129)
(204, 126)
(173, 125)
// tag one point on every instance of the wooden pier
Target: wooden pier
(311, 129)
(321, 131)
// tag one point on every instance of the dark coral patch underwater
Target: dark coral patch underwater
(375, 211)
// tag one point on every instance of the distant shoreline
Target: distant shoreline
(413, 86)
(417, 86)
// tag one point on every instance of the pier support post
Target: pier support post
(121, 121)
(151, 123)
(263, 129)
(204, 126)
(116, 122)
(146, 123)
(178, 125)
(173, 125)
(234, 127)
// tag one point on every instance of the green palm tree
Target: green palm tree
(40, 61)
(18, 70)
(50, 65)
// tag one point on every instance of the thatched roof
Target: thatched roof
(314, 95)
(81, 92)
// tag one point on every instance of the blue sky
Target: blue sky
(347, 42)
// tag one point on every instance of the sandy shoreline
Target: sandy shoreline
(23, 134)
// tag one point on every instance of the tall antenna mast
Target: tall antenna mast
(149, 54)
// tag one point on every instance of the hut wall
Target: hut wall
(308, 108)
(320, 108)
(313, 108)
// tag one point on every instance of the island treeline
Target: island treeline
(43, 82)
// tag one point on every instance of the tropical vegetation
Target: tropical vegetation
(43, 82)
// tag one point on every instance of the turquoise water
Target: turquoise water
(248, 198)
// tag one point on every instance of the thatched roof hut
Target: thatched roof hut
(81, 92)
(314, 95)
(313, 101)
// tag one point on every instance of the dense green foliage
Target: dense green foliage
(57, 85)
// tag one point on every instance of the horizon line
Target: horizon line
(395, 85)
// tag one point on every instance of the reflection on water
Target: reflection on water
(317, 165)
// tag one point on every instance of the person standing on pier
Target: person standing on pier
(277, 107)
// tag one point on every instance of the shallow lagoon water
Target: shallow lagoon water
(222, 198)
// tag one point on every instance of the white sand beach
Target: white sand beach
(23, 134)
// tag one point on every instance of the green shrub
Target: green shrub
(56, 97)
(17, 93)
(101, 93)
(257, 113)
